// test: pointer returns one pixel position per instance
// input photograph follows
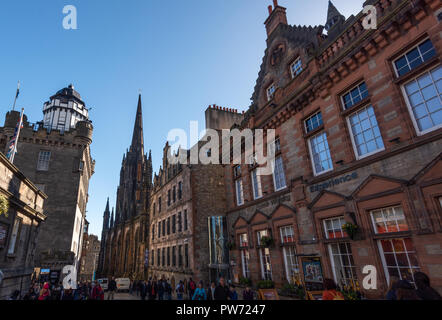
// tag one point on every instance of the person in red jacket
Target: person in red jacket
(97, 292)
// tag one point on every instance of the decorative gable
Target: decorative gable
(375, 184)
(327, 198)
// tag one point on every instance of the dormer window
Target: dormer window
(271, 91)
(296, 68)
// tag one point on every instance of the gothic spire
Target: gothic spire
(333, 16)
(137, 137)
(112, 219)
(106, 216)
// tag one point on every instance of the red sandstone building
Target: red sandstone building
(358, 119)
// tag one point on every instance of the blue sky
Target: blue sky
(183, 55)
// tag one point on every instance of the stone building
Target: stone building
(89, 257)
(188, 232)
(19, 227)
(358, 121)
(124, 240)
(55, 154)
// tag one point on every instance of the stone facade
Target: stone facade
(55, 154)
(325, 177)
(125, 238)
(19, 228)
(184, 197)
(89, 257)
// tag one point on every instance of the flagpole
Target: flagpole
(16, 95)
(18, 135)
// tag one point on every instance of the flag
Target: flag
(13, 143)
(18, 90)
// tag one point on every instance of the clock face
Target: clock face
(277, 54)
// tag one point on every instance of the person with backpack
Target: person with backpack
(180, 290)
(191, 287)
(331, 292)
(200, 293)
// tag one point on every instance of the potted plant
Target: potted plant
(245, 282)
(266, 241)
(265, 284)
(4, 205)
(231, 245)
(351, 229)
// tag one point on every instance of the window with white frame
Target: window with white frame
(243, 240)
(423, 95)
(266, 264)
(313, 122)
(387, 220)
(291, 264)
(414, 58)
(278, 174)
(354, 95)
(43, 160)
(239, 192)
(287, 234)
(271, 91)
(260, 234)
(399, 258)
(343, 266)
(256, 184)
(320, 154)
(333, 228)
(245, 261)
(366, 136)
(14, 236)
(296, 67)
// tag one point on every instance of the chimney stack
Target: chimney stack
(276, 17)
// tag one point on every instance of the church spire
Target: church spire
(106, 216)
(112, 219)
(137, 137)
(333, 16)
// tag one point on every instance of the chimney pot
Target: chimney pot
(275, 3)
(270, 10)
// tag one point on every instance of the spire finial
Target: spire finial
(137, 137)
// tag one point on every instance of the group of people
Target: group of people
(398, 289)
(47, 291)
(404, 290)
(190, 290)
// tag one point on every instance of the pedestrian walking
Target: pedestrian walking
(112, 287)
(161, 289)
(168, 290)
(391, 293)
(211, 291)
(180, 290)
(191, 287)
(248, 294)
(143, 290)
(97, 292)
(221, 291)
(405, 291)
(233, 295)
(200, 292)
(45, 293)
(424, 290)
(152, 289)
